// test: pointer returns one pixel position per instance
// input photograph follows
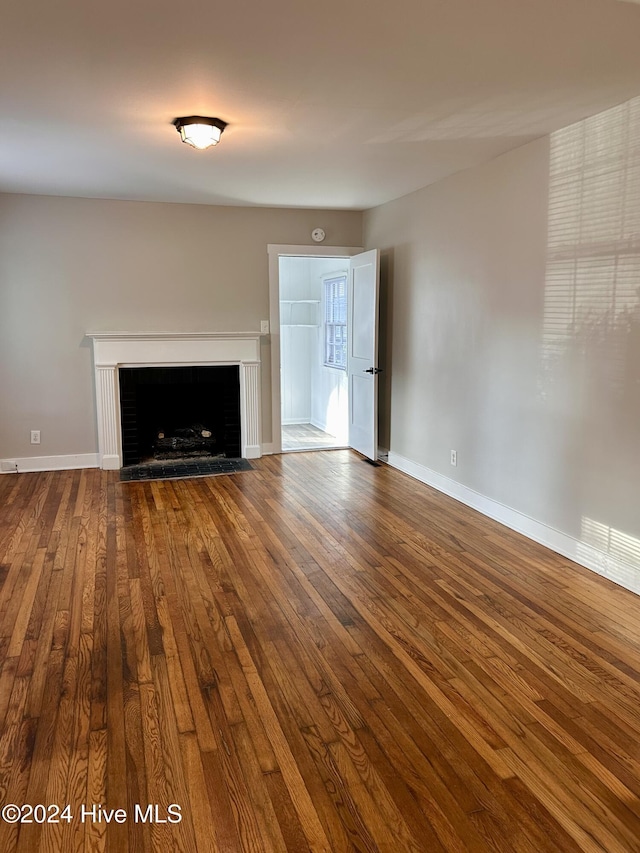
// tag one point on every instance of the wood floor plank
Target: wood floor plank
(315, 655)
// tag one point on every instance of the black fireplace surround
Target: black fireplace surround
(179, 412)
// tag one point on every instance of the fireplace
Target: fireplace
(224, 365)
(179, 413)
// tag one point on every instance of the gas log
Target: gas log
(195, 440)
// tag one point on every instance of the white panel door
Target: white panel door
(362, 352)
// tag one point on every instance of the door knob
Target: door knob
(374, 370)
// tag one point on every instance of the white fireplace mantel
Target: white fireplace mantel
(113, 350)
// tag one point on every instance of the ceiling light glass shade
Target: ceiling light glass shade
(200, 132)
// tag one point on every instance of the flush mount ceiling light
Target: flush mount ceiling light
(200, 132)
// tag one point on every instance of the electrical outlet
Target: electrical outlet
(454, 457)
(35, 436)
(264, 327)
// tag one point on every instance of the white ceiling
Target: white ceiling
(346, 103)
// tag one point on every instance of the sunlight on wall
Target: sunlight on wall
(336, 413)
(593, 270)
(590, 365)
(622, 547)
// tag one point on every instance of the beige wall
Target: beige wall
(543, 412)
(68, 266)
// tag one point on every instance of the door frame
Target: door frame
(275, 252)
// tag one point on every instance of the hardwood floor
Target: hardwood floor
(316, 655)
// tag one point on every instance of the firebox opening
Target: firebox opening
(179, 413)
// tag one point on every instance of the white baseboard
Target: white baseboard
(294, 421)
(624, 574)
(49, 463)
(253, 451)
(268, 449)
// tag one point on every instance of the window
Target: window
(335, 321)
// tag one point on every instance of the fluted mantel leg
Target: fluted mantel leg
(107, 399)
(250, 409)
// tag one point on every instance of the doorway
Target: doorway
(313, 353)
(331, 342)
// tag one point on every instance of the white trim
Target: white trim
(112, 350)
(275, 252)
(267, 449)
(250, 410)
(621, 573)
(288, 250)
(169, 336)
(49, 463)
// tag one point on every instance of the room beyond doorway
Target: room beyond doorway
(313, 329)
(307, 437)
